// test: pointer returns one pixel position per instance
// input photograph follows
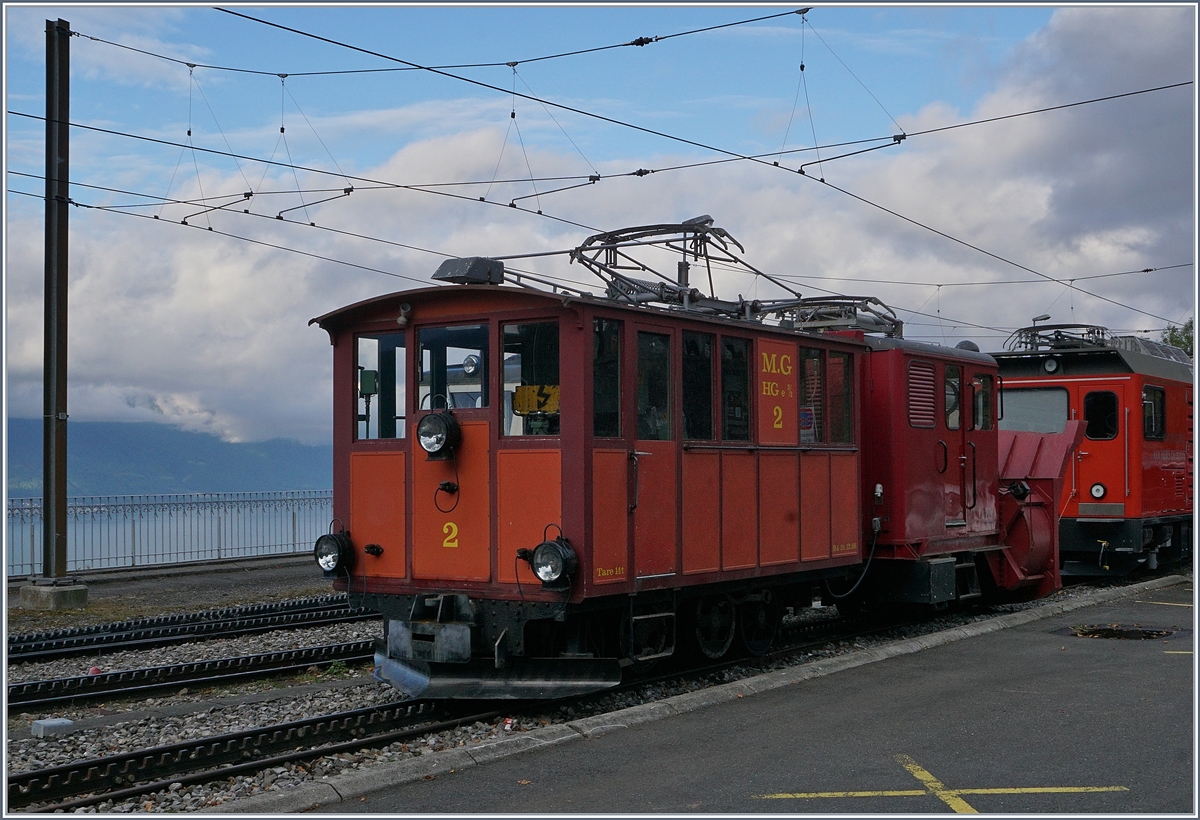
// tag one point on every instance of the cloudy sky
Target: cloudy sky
(966, 233)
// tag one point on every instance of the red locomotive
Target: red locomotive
(537, 486)
(1127, 498)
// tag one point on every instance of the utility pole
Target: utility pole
(55, 590)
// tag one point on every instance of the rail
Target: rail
(124, 531)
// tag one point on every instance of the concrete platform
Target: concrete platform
(1011, 715)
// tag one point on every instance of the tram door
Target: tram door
(654, 452)
(954, 466)
(1102, 463)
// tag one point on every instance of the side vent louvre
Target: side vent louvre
(921, 395)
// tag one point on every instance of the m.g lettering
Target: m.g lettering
(777, 363)
(612, 572)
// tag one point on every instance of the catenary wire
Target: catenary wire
(640, 41)
(380, 183)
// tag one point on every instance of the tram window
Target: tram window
(1035, 409)
(697, 386)
(1100, 413)
(606, 378)
(1154, 409)
(841, 398)
(735, 389)
(953, 397)
(812, 397)
(653, 386)
(380, 386)
(454, 367)
(983, 402)
(531, 385)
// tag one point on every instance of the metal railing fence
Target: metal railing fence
(119, 531)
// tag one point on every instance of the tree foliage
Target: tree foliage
(1180, 337)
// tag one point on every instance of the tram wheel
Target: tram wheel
(758, 623)
(715, 625)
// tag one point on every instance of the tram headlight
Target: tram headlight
(554, 562)
(1098, 490)
(439, 434)
(333, 552)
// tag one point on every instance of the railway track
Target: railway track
(150, 633)
(34, 695)
(148, 770)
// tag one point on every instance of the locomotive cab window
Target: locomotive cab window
(735, 389)
(653, 386)
(531, 386)
(606, 378)
(454, 367)
(983, 402)
(841, 399)
(697, 386)
(380, 386)
(1154, 409)
(812, 397)
(1035, 409)
(953, 397)
(1100, 413)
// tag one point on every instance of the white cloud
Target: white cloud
(183, 326)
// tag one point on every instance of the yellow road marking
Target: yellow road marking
(935, 787)
(809, 795)
(1177, 651)
(1161, 603)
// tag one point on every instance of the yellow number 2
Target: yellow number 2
(451, 531)
(778, 417)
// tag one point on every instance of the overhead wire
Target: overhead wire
(217, 232)
(640, 42)
(380, 183)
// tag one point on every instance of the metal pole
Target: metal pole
(54, 464)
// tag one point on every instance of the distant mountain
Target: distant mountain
(113, 458)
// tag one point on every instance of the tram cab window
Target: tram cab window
(454, 367)
(812, 397)
(1100, 413)
(841, 399)
(953, 397)
(697, 386)
(1035, 409)
(735, 389)
(983, 402)
(653, 386)
(606, 378)
(379, 385)
(1154, 410)
(531, 385)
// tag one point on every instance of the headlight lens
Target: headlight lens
(1098, 490)
(438, 434)
(333, 551)
(554, 561)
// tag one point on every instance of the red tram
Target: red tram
(538, 486)
(1127, 499)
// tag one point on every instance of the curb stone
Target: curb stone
(311, 795)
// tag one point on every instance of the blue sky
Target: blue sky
(209, 332)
